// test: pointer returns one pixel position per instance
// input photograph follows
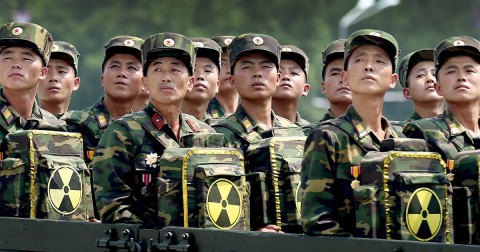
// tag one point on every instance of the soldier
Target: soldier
(416, 73)
(337, 92)
(336, 145)
(293, 84)
(24, 54)
(55, 91)
(122, 82)
(120, 160)
(254, 60)
(205, 86)
(226, 100)
(457, 67)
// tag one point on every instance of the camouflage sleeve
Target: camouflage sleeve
(317, 181)
(112, 167)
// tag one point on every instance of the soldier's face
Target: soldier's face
(21, 69)
(292, 84)
(421, 83)
(336, 91)
(255, 77)
(122, 77)
(369, 71)
(459, 80)
(168, 81)
(205, 84)
(59, 84)
(224, 76)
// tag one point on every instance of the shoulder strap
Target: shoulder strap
(247, 133)
(155, 128)
(458, 145)
(347, 128)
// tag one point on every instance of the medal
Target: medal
(450, 166)
(145, 191)
(355, 171)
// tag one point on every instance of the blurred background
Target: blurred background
(309, 24)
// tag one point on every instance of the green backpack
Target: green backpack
(201, 183)
(43, 175)
(465, 178)
(401, 193)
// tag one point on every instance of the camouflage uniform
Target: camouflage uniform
(327, 116)
(444, 133)
(327, 206)
(92, 121)
(119, 163)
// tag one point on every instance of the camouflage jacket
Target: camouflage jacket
(123, 190)
(327, 116)
(330, 150)
(443, 134)
(11, 122)
(239, 126)
(215, 110)
(91, 122)
(415, 116)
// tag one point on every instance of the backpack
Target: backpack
(464, 174)
(43, 175)
(402, 193)
(200, 183)
(273, 168)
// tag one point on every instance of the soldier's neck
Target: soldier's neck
(197, 109)
(117, 108)
(22, 102)
(370, 110)
(260, 111)
(286, 108)
(467, 114)
(339, 109)
(171, 115)
(140, 103)
(54, 108)
(228, 101)
(430, 109)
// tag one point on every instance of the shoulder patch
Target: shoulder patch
(157, 121)
(102, 120)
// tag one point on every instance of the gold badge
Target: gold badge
(17, 31)
(376, 34)
(286, 49)
(258, 40)
(458, 43)
(198, 44)
(55, 48)
(169, 42)
(227, 41)
(128, 42)
(151, 160)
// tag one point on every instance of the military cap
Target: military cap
(223, 41)
(456, 46)
(334, 50)
(409, 61)
(123, 44)
(296, 54)
(251, 42)
(27, 35)
(208, 48)
(67, 52)
(169, 45)
(372, 37)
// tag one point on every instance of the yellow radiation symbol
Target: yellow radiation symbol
(224, 204)
(298, 198)
(65, 190)
(424, 214)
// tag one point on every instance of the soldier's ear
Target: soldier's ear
(217, 87)
(406, 93)
(191, 80)
(394, 80)
(324, 91)
(76, 83)
(145, 83)
(344, 76)
(43, 73)
(279, 76)
(438, 89)
(232, 82)
(306, 89)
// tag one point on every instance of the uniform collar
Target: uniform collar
(362, 129)
(250, 124)
(101, 114)
(10, 115)
(454, 126)
(187, 125)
